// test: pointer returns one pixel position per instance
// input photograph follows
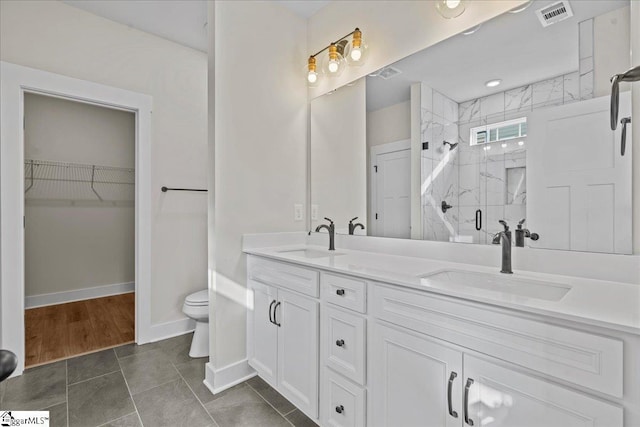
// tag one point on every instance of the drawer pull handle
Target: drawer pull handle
(340, 343)
(340, 292)
(467, 420)
(339, 409)
(453, 413)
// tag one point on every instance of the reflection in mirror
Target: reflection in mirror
(508, 122)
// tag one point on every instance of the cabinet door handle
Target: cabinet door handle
(270, 308)
(479, 219)
(623, 138)
(453, 413)
(275, 310)
(340, 292)
(340, 343)
(467, 420)
(339, 409)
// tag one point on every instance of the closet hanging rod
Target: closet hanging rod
(165, 189)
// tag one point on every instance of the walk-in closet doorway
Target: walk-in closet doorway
(56, 189)
(79, 228)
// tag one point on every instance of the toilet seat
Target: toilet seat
(199, 298)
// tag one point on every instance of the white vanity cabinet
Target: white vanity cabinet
(283, 334)
(352, 352)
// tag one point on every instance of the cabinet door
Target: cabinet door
(263, 335)
(298, 351)
(500, 396)
(410, 380)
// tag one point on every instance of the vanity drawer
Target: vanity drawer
(344, 291)
(344, 405)
(344, 343)
(581, 358)
(284, 275)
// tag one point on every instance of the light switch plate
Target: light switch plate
(297, 212)
(314, 212)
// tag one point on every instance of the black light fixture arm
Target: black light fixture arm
(335, 42)
(165, 189)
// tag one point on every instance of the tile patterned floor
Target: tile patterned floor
(154, 384)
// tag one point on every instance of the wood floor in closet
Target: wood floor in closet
(61, 331)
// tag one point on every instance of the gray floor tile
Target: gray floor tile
(99, 400)
(92, 365)
(58, 415)
(298, 419)
(269, 394)
(240, 406)
(171, 404)
(193, 373)
(131, 349)
(131, 420)
(147, 370)
(37, 388)
(177, 348)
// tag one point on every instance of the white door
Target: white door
(298, 350)
(393, 194)
(410, 381)
(263, 334)
(501, 397)
(579, 195)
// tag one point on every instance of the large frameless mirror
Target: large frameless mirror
(506, 121)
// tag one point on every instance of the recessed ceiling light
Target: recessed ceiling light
(521, 8)
(493, 83)
(472, 30)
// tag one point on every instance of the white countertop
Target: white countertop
(606, 304)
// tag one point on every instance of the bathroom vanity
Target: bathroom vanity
(354, 338)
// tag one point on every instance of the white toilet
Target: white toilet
(196, 306)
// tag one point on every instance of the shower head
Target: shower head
(451, 145)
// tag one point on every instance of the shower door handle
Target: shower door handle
(479, 219)
(623, 138)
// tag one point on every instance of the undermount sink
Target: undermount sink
(310, 253)
(530, 288)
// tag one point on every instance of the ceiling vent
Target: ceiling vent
(553, 13)
(388, 72)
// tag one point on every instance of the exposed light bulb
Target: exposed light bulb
(452, 4)
(333, 66)
(356, 54)
(312, 77)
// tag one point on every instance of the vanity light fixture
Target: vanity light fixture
(339, 54)
(312, 74)
(450, 8)
(493, 83)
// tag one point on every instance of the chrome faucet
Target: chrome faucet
(331, 228)
(521, 233)
(353, 227)
(504, 237)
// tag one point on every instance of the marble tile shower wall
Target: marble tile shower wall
(439, 167)
(471, 178)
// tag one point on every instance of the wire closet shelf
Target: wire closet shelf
(73, 181)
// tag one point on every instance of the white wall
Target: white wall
(260, 148)
(338, 156)
(389, 124)
(393, 29)
(635, 96)
(54, 37)
(611, 49)
(78, 242)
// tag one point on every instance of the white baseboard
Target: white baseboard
(162, 331)
(217, 380)
(78, 294)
